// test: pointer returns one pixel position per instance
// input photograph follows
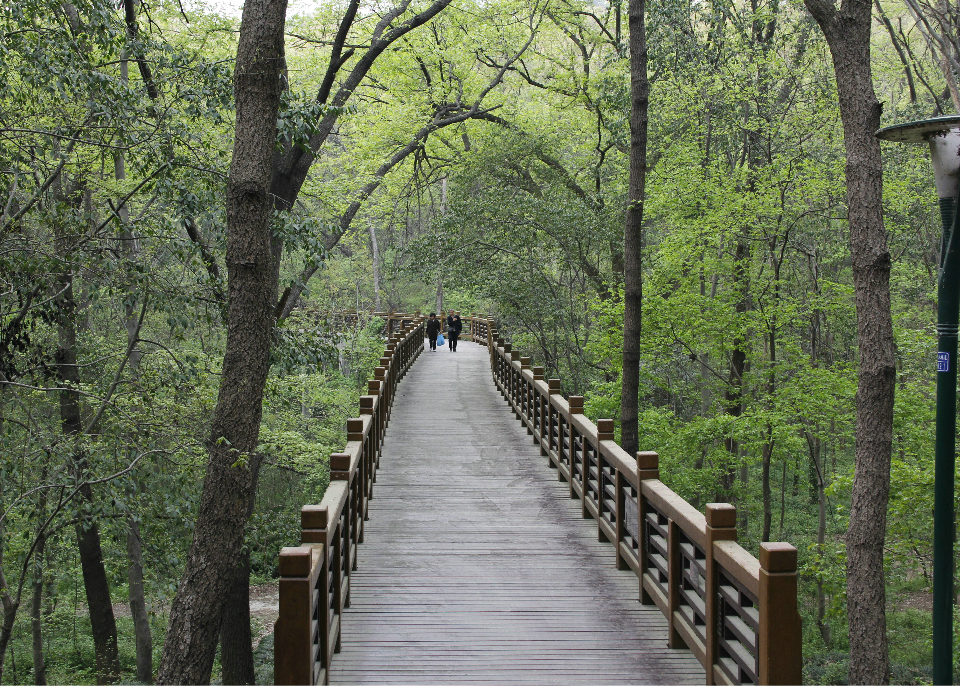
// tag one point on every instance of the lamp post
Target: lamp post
(943, 136)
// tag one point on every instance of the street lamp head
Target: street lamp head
(943, 136)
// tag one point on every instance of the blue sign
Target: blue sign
(943, 362)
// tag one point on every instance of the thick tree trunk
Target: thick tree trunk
(847, 31)
(197, 610)
(633, 229)
(236, 638)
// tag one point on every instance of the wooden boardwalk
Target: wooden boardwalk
(477, 567)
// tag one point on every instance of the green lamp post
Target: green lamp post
(943, 136)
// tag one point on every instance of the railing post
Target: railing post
(340, 471)
(380, 375)
(293, 648)
(503, 368)
(514, 375)
(355, 433)
(721, 526)
(575, 403)
(605, 432)
(366, 408)
(648, 467)
(553, 424)
(524, 396)
(780, 636)
(538, 409)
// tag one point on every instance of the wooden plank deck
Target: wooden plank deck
(476, 566)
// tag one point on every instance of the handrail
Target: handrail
(315, 576)
(398, 321)
(736, 613)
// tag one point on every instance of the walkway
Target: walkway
(476, 567)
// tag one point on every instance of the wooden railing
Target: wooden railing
(397, 321)
(315, 577)
(736, 613)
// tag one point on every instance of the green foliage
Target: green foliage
(517, 212)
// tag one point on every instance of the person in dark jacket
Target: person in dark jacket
(454, 327)
(433, 329)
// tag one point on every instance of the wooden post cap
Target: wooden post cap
(648, 459)
(355, 429)
(314, 516)
(524, 363)
(575, 402)
(721, 515)
(379, 373)
(506, 346)
(605, 429)
(295, 561)
(778, 557)
(385, 361)
(366, 404)
(373, 387)
(538, 373)
(339, 462)
(554, 386)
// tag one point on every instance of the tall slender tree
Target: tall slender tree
(847, 30)
(633, 228)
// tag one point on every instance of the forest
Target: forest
(468, 155)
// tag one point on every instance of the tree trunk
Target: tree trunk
(10, 608)
(8, 602)
(375, 257)
(816, 460)
(95, 584)
(236, 638)
(197, 610)
(767, 453)
(847, 31)
(143, 636)
(36, 623)
(738, 360)
(633, 229)
(36, 601)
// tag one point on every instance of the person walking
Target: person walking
(433, 330)
(454, 327)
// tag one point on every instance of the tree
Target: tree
(847, 30)
(633, 230)
(230, 479)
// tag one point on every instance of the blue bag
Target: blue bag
(440, 339)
